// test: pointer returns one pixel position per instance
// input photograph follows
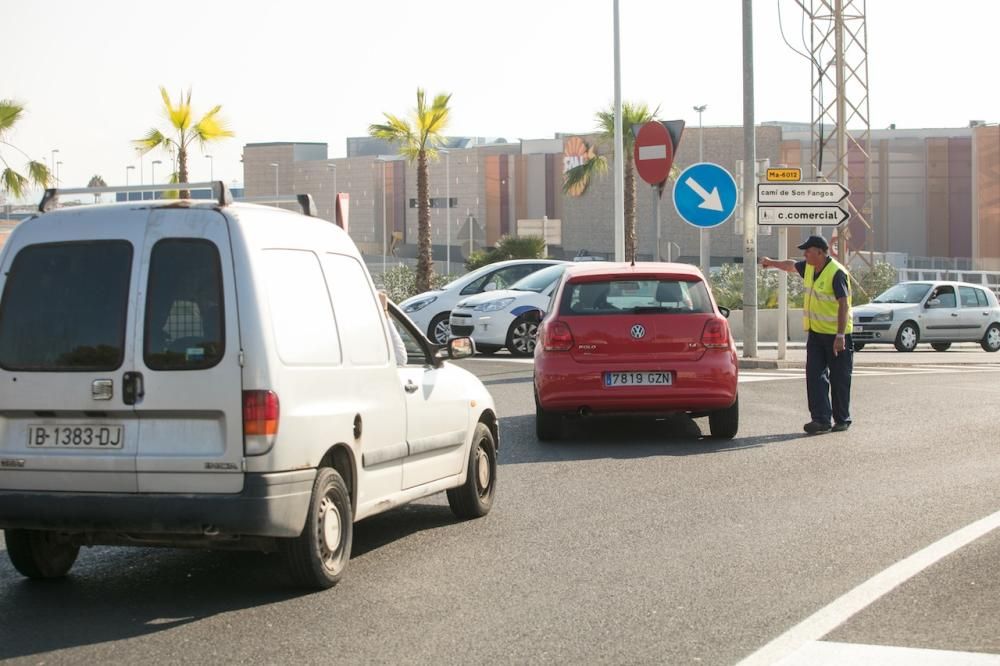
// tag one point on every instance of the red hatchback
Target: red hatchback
(646, 338)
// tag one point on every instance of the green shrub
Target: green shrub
(400, 282)
(508, 247)
(872, 282)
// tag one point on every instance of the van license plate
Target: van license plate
(75, 436)
(643, 378)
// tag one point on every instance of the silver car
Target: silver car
(938, 312)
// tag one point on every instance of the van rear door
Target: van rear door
(66, 311)
(187, 354)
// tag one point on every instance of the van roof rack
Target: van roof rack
(305, 201)
(220, 192)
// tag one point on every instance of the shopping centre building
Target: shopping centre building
(934, 194)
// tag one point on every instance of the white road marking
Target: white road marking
(823, 653)
(840, 610)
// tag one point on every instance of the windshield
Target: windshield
(907, 292)
(540, 281)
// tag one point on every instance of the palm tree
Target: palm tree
(13, 182)
(578, 178)
(96, 181)
(418, 138)
(210, 128)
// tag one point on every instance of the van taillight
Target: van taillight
(716, 334)
(558, 337)
(260, 413)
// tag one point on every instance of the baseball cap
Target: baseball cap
(815, 241)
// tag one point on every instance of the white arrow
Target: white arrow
(709, 201)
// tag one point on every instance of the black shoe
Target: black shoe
(841, 427)
(815, 427)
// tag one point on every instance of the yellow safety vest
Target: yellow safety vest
(820, 306)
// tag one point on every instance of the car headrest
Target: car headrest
(669, 292)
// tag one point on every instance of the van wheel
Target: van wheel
(317, 557)
(858, 346)
(724, 423)
(991, 341)
(39, 554)
(521, 336)
(439, 330)
(907, 337)
(940, 346)
(474, 498)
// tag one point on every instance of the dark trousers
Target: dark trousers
(827, 374)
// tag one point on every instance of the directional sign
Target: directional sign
(802, 216)
(653, 152)
(705, 195)
(810, 194)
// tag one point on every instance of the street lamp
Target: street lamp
(211, 167)
(53, 164)
(153, 175)
(58, 164)
(276, 166)
(447, 203)
(704, 255)
(127, 169)
(333, 167)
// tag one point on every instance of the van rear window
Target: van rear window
(184, 306)
(650, 296)
(64, 307)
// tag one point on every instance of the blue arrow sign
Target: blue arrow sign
(705, 195)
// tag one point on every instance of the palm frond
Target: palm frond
(10, 113)
(154, 139)
(13, 182)
(96, 181)
(179, 115)
(577, 180)
(212, 128)
(39, 174)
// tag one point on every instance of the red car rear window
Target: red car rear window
(645, 296)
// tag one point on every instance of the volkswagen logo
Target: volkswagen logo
(638, 331)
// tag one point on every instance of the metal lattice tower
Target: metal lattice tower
(841, 131)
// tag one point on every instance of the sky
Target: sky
(322, 71)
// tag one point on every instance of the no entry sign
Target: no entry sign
(653, 152)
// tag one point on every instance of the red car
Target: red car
(643, 338)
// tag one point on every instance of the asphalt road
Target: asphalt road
(630, 542)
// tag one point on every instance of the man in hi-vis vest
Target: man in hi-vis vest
(826, 315)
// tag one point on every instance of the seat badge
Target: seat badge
(102, 389)
(638, 331)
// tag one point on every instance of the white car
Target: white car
(508, 317)
(431, 309)
(938, 312)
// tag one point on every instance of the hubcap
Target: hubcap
(524, 337)
(330, 526)
(993, 338)
(483, 471)
(908, 337)
(441, 332)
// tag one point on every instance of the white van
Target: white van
(204, 373)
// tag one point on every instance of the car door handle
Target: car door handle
(410, 386)
(954, 314)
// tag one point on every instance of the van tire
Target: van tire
(725, 423)
(941, 346)
(39, 554)
(474, 498)
(317, 558)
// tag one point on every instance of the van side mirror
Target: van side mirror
(455, 349)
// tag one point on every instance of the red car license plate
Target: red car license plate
(638, 378)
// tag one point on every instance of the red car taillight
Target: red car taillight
(558, 337)
(715, 334)
(260, 413)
